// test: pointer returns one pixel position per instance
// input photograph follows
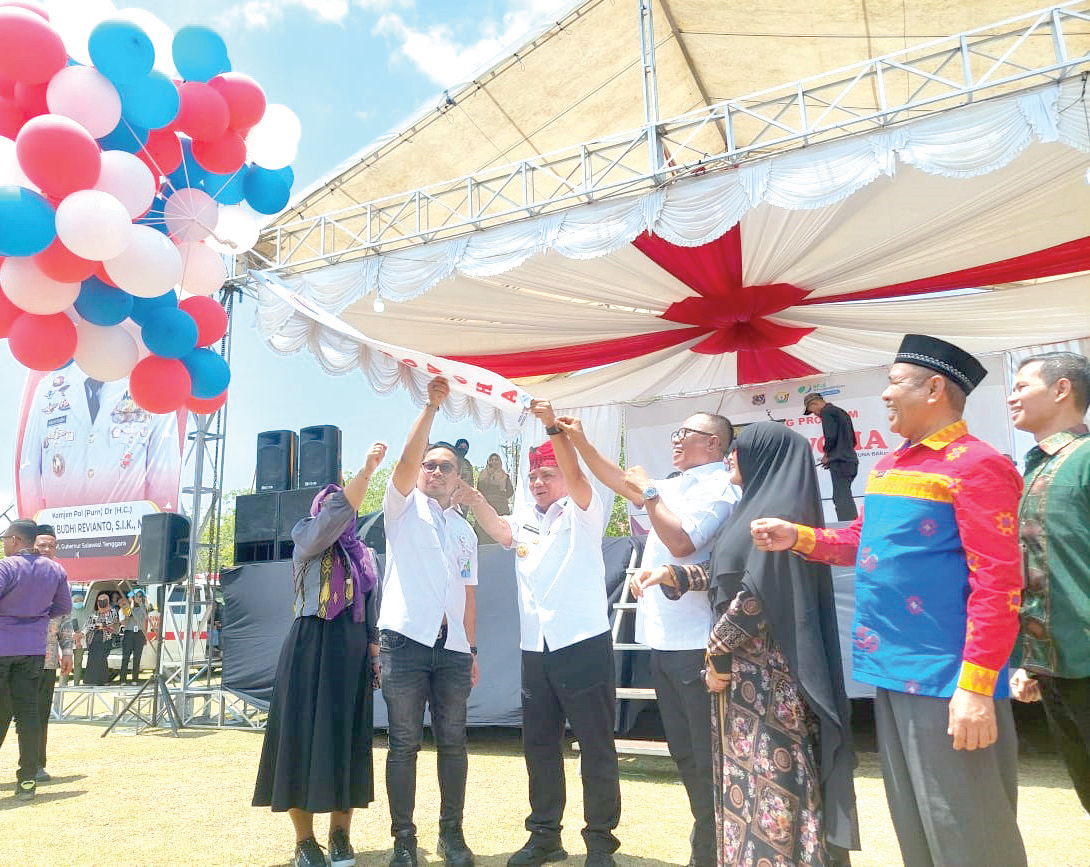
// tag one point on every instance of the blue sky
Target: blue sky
(352, 70)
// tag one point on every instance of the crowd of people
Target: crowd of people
(960, 575)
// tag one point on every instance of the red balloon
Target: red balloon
(100, 272)
(7, 88)
(61, 264)
(223, 156)
(162, 153)
(206, 405)
(160, 385)
(42, 342)
(202, 112)
(12, 117)
(30, 50)
(245, 99)
(8, 314)
(58, 154)
(31, 98)
(209, 315)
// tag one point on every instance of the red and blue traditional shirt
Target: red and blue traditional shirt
(938, 577)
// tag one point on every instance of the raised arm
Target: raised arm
(608, 473)
(356, 489)
(408, 467)
(667, 523)
(567, 459)
(487, 518)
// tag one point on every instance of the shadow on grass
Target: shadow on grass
(425, 856)
(44, 795)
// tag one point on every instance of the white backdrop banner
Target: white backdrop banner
(647, 428)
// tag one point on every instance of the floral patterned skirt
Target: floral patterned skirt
(767, 788)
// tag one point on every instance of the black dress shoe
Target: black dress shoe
(537, 851)
(404, 852)
(452, 848)
(599, 858)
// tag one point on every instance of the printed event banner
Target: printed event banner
(477, 384)
(92, 463)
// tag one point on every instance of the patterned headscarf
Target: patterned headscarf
(347, 558)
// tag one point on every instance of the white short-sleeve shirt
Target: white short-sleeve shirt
(561, 574)
(702, 498)
(431, 556)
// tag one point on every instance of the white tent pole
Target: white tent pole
(650, 87)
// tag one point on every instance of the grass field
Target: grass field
(150, 799)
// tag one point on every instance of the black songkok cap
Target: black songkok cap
(942, 357)
(47, 530)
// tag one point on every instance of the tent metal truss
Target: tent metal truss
(203, 707)
(1017, 54)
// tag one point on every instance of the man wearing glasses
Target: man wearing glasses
(685, 512)
(567, 648)
(427, 632)
(32, 590)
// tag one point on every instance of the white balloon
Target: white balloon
(125, 177)
(93, 224)
(203, 271)
(161, 36)
(237, 230)
(149, 267)
(107, 353)
(31, 290)
(74, 20)
(10, 170)
(133, 330)
(190, 215)
(86, 96)
(274, 141)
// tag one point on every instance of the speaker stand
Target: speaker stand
(157, 683)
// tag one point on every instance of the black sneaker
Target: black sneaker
(42, 776)
(452, 848)
(25, 790)
(404, 852)
(308, 854)
(598, 858)
(341, 853)
(537, 851)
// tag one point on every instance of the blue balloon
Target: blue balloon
(102, 304)
(209, 372)
(142, 308)
(27, 222)
(199, 53)
(169, 332)
(124, 137)
(155, 217)
(267, 191)
(120, 50)
(226, 189)
(150, 102)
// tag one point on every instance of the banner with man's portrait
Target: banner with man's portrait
(92, 463)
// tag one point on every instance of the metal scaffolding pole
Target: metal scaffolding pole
(650, 87)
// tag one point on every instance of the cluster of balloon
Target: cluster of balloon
(122, 186)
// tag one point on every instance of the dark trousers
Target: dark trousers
(414, 675)
(46, 686)
(1067, 709)
(685, 708)
(19, 678)
(842, 473)
(132, 644)
(576, 683)
(950, 808)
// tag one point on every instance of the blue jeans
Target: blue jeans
(413, 675)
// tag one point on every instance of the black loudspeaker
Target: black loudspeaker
(293, 506)
(164, 547)
(256, 517)
(276, 456)
(319, 456)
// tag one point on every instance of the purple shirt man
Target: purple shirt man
(32, 590)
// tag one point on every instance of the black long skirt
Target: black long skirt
(317, 751)
(97, 672)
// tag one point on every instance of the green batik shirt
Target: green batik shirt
(1054, 527)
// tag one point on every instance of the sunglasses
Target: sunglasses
(683, 433)
(102, 603)
(445, 467)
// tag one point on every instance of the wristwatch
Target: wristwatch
(552, 430)
(650, 492)
(473, 649)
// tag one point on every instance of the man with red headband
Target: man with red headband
(567, 648)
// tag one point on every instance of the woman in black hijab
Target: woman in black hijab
(781, 735)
